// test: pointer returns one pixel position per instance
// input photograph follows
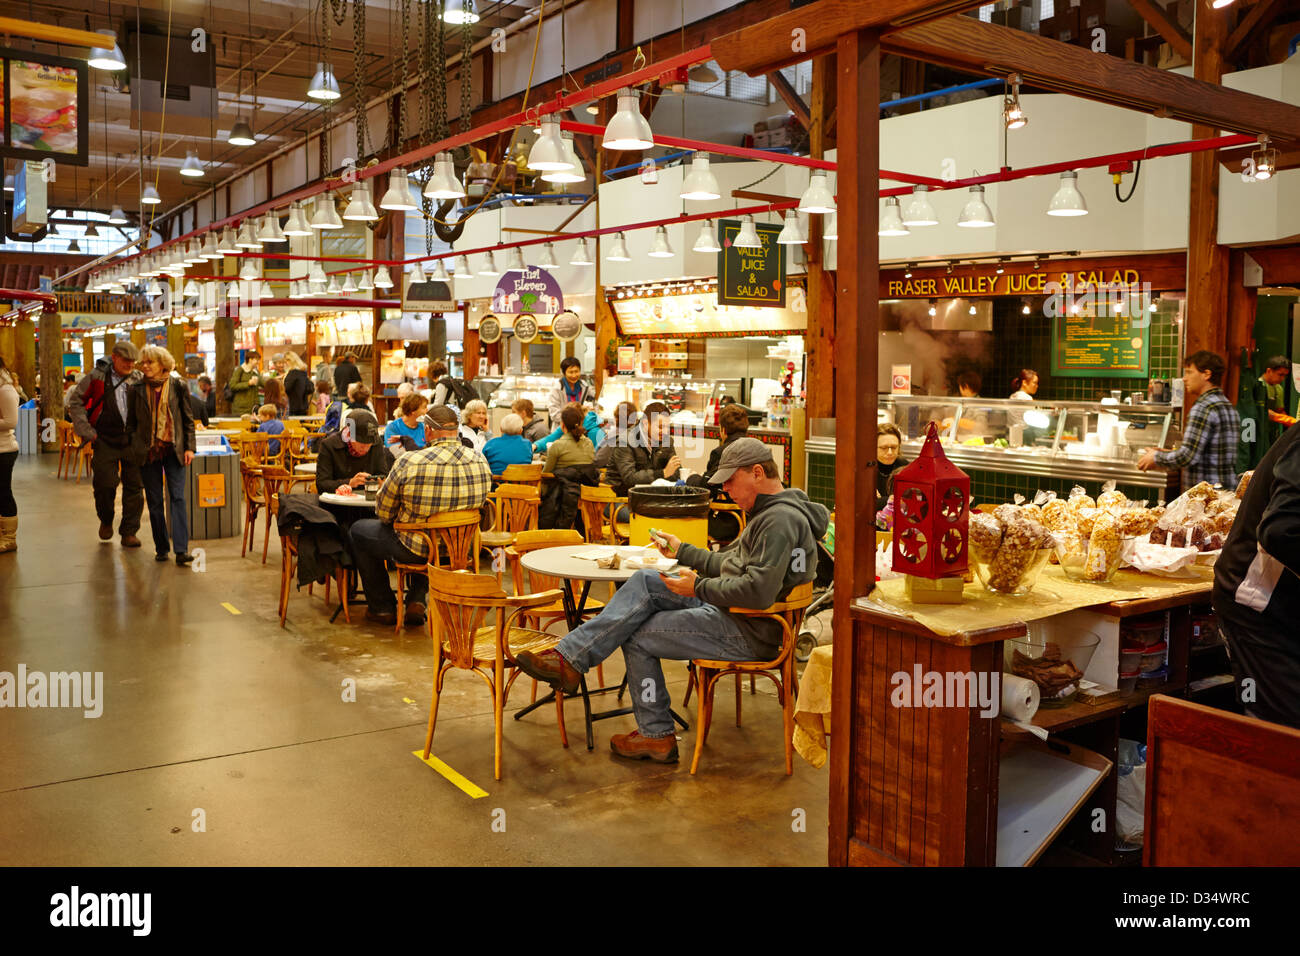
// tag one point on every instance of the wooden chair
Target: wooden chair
(255, 449)
(730, 508)
(521, 475)
(296, 451)
(74, 454)
(250, 477)
(67, 450)
(289, 566)
(599, 506)
(516, 510)
(780, 670)
(456, 531)
(275, 482)
(459, 603)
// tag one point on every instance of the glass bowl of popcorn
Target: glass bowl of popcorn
(1008, 551)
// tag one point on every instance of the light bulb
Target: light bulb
(618, 252)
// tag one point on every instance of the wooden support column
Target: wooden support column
(470, 349)
(24, 369)
(819, 343)
(87, 354)
(223, 337)
(1240, 321)
(857, 69)
(1207, 261)
(51, 366)
(176, 345)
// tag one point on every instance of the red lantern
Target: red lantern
(931, 514)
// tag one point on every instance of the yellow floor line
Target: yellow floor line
(473, 789)
(231, 608)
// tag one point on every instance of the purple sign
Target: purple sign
(527, 290)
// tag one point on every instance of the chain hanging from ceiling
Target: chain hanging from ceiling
(394, 138)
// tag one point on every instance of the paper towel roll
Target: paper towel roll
(1020, 697)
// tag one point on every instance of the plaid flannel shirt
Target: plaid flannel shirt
(1209, 448)
(446, 476)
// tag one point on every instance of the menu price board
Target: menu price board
(43, 107)
(1111, 346)
(750, 276)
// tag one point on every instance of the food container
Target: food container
(1153, 657)
(1205, 629)
(1130, 660)
(372, 490)
(1143, 630)
(1128, 681)
(1056, 665)
(1100, 569)
(1154, 679)
(1011, 575)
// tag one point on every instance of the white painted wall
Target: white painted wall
(487, 228)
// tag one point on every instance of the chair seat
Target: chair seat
(497, 539)
(557, 607)
(736, 665)
(623, 528)
(519, 639)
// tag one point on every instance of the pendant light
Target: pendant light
(516, 260)
(618, 252)
(191, 289)
(832, 230)
(246, 239)
(747, 238)
(919, 211)
(149, 195)
(582, 254)
(398, 195)
(73, 246)
(700, 183)
(271, 231)
(891, 219)
(439, 273)
(1068, 201)
(109, 56)
(334, 288)
(349, 284)
(382, 279)
(324, 87)
(707, 240)
(91, 232)
(154, 288)
(191, 167)
(548, 257)
(226, 244)
(1265, 159)
(1013, 114)
(976, 213)
(360, 208)
(417, 274)
(628, 129)
(194, 253)
(659, 247)
(209, 250)
(367, 284)
(117, 217)
(326, 217)
(489, 265)
(241, 135)
(248, 271)
(459, 11)
(297, 224)
(442, 184)
(316, 273)
(232, 290)
(548, 152)
(265, 292)
(461, 269)
(791, 234)
(817, 197)
(574, 173)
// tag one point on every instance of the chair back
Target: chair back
(460, 603)
(789, 613)
(526, 541)
(523, 475)
(250, 476)
(517, 507)
(597, 504)
(456, 531)
(277, 481)
(255, 448)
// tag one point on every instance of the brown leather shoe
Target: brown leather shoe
(635, 747)
(105, 532)
(130, 541)
(414, 616)
(550, 667)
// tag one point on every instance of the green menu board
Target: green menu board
(1111, 346)
(750, 276)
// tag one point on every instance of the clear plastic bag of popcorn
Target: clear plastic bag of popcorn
(1080, 499)
(1058, 516)
(985, 537)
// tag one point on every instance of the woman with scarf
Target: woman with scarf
(164, 446)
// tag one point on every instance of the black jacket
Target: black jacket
(334, 466)
(200, 409)
(182, 420)
(298, 387)
(321, 546)
(345, 373)
(560, 498)
(631, 462)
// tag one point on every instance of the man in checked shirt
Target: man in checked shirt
(445, 476)
(1209, 448)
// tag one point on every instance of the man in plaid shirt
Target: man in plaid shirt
(445, 476)
(1209, 448)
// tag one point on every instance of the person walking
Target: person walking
(102, 413)
(164, 444)
(345, 373)
(297, 383)
(8, 456)
(244, 385)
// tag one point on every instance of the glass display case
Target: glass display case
(514, 386)
(688, 398)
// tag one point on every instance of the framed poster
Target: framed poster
(525, 328)
(489, 330)
(43, 107)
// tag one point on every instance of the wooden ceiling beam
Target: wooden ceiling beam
(786, 91)
(1262, 14)
(964, 43)
(1165, 25)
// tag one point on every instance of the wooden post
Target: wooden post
(223, 337)
(1240, 322)
(51, 365)
(176, 345)
(858, 284)
(87, 354)
(470, 349)
(819, 344)
(137, 338)
(25, 355)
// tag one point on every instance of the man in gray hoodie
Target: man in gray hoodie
(657, 617)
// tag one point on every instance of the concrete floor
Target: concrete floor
(245, 721)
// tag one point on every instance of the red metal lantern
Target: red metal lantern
(931, 514)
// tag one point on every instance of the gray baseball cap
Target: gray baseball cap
(741, 453)
(360, 426)
(127, 349)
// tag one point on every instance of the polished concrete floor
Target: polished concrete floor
(225, 740)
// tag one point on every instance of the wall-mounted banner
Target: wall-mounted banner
(428, 297)
(566, 326)
(489, 330)
(525, 328)
(529, 290)
(750, 276)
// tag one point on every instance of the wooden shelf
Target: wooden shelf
(1074, 714)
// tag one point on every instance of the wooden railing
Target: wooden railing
(102, 303)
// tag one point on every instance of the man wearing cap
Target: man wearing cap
(656, 617)
(102, 413)
(444, 476)
(351, 455)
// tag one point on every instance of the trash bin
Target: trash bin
(676, 509)
(213, 494)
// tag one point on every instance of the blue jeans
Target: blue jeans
(651, 624)
(374, 542)
(152, 475)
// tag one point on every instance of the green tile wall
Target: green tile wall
(821, 479)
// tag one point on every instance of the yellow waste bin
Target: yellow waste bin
(678, 510)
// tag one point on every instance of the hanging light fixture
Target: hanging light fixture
(194, 253)
(91, 232)
(439, 273)
(919, 211)
(149, 195)
(349, 285)
(271, 231)
(574, 173)
(248, 271)
(334, 288)
(976, 213)
(618, 252)
(891, 219)
(832, 230)
(360, 208)
(109, 56)
(209, 249)
(1068, 201)
(1013, 113)
(700, 184)
(489, 265)
(226, 244)
(241, 135)
(791, 234)
(659, 247)
(382, 279)
(265, 292)
(581, 255)
(707, 240)
(367, 283)
(548, 151)
(417, 274)
(191, 167)
(297, 224)
(548, 256)
(628, 129)
(326, 216)
(817, 197)
(398, 195)
(191, 289)
(747, 237)
(117, 217)
(232, 290)
(700, 73)
(246, 239)
(516, 260)
(443, 184)
(316, 273)
(461, 269)
(324, 87)
(460, 11)
(73, 246)
(154, 288)
(1265, 158)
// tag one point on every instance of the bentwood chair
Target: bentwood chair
(521, 475)
(67, 447)
(516, 509)
(289, 566)
(599, 506)
(276, 482)
(250, 477)
(459, 604)
(458, 534)
(729, 508)
(780, 670)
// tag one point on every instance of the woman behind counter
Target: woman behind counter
(1024, 386)
(889, 440)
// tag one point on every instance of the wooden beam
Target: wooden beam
(50, 33)
(1261, 15)
(1169, 28)
(792, 99)
(814, 29)
(819, 345)
(1240, 331)
(964, 43)
(624, 23)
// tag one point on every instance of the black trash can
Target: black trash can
(676, 509)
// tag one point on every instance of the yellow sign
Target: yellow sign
(1023, 283)
(212, 490)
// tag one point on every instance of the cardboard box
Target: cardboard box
(762, 139)
(1063, 27)
(1092, 13)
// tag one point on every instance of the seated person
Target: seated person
(643, 451)
(574, 448)
(654, 616)
(888, 442)
(403, 389)
(445, 476)
(270, 425)
(474, 425)
(359, 397)
(407, 432)
(534, 424)
(351, 455)
(510, 447)
(733, 422)
(591, 424)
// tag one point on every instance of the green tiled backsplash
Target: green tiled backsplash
(821, 479)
